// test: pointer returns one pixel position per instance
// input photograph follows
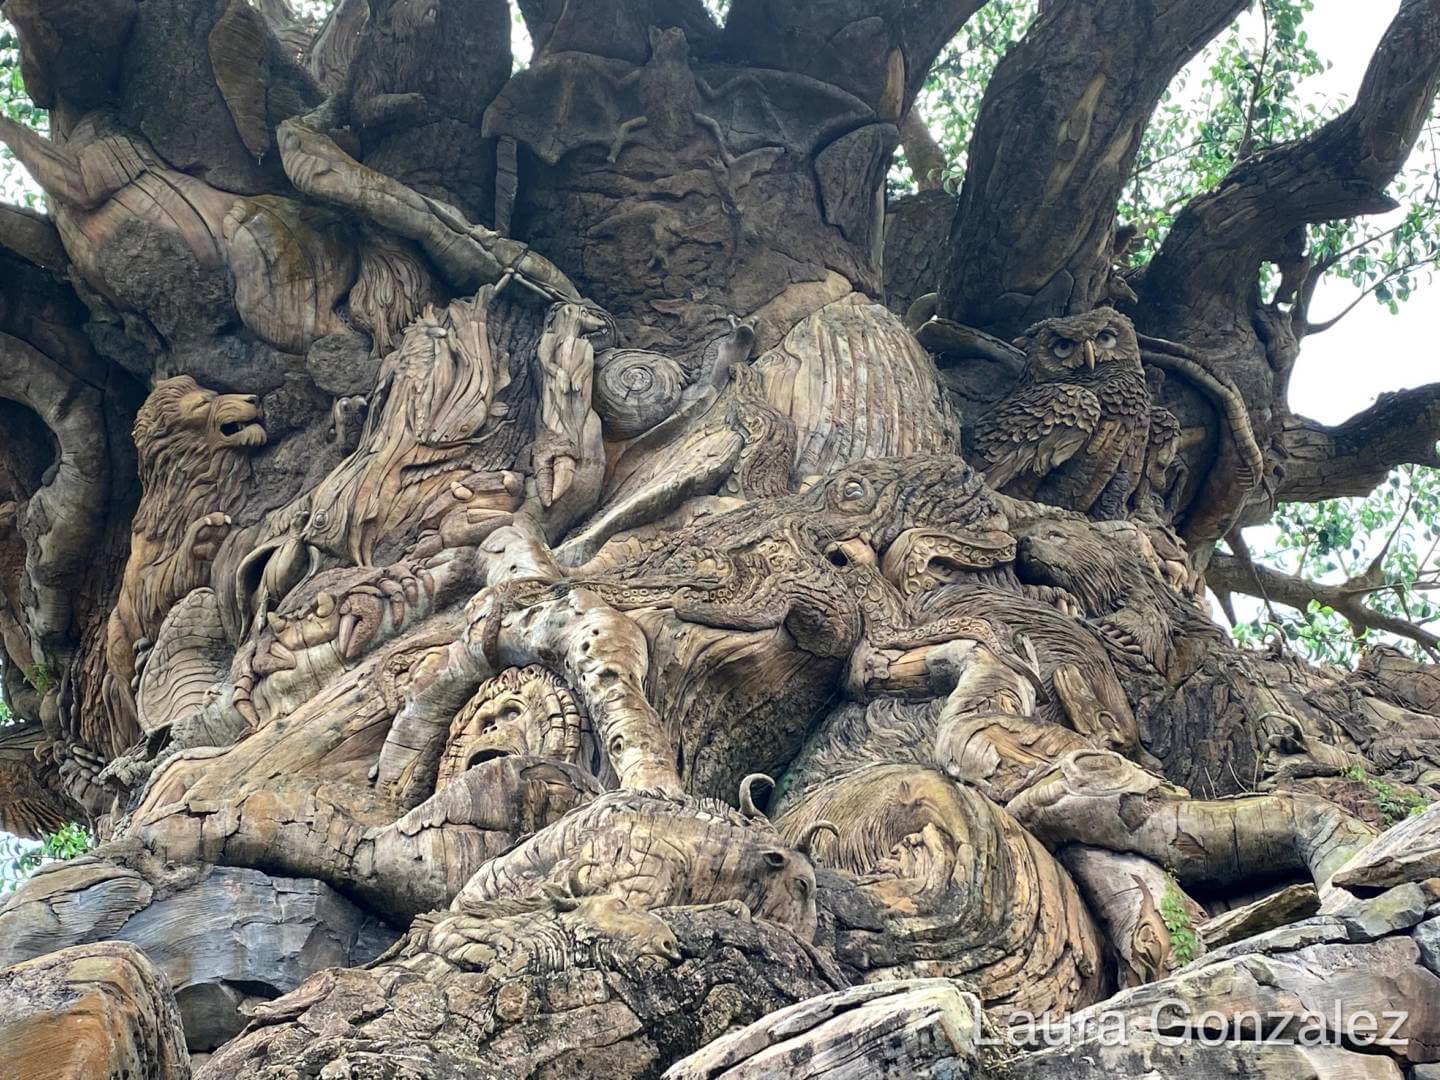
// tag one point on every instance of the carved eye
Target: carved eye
(1063, 349)
(855, 493)
(1107, 339)
(836, 556)
(775, 859)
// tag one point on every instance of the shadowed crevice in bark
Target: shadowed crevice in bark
(442, 505)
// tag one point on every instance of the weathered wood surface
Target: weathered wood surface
(502, 512)
(571, 1016)
(226, 937)
(918, 1027)
(90, 1012)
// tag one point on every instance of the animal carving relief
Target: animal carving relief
(194, 449)
(1075, 432)
(439, 395)
(605, 639)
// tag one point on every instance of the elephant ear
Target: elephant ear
(261, 85)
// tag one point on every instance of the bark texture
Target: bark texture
(545, 574)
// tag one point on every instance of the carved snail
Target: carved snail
(634, 390)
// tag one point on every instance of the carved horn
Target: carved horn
(572, 879)
(747, 800)
(805, 842)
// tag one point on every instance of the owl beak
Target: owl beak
(1090, 354)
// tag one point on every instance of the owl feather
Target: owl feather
(1074, 431)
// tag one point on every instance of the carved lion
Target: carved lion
(193, 447)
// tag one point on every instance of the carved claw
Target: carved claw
(203, 537)
(555, 476)
(399, 598)
(345, 634)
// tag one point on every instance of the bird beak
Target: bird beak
(1090, 354)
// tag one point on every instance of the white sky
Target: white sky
(1370, 351)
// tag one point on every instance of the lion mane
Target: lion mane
(189, 465)
(193, 446)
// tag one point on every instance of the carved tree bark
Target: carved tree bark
(1058, 131)
(447, 513)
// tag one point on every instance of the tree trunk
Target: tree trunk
(496, 562)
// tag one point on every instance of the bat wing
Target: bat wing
(566, 101)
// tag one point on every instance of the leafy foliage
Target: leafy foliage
(1394, 805)
(950, 99)
(39, 677)
(1340, 540)
(1246, 92)
(21, 858)
(1240, 96)
(15, 185)
(15, 861)
(1184, 940)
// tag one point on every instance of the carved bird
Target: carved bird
(1073, 432)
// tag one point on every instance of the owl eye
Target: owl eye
(1063, 349)
(1107, 339)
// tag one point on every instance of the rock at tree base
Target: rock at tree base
(90, 1012)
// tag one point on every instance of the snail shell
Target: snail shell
(634, 390)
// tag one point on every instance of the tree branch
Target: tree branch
(879, 50)
(1212, 256)
(32, 237)
(1058, 132)
(922, 153)
(1367, 292)
(1230, 574)
(1321, 462)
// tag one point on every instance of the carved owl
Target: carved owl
(1074, 432)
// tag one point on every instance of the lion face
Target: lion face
(227, 420)
(180, 412)
(188, 440)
